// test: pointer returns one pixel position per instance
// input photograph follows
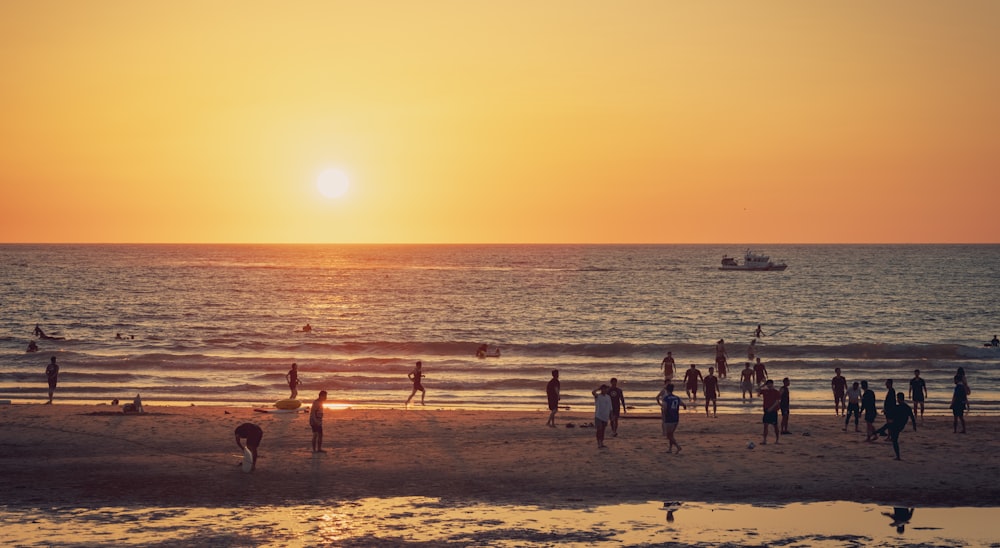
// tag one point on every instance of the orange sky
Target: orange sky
(489, 121)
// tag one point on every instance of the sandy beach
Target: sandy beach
(62, 454)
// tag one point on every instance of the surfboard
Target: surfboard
(287, 404)
(282, 411)
(247, 459)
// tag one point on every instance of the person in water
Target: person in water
(307, 328)
(552, 394)
(293, 380)
(995, 342)
(52, 374)
(415, 376)
(668, 366)
(253, 434)
(38, 331)
(32, 347)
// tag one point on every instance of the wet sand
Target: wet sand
(186, 456)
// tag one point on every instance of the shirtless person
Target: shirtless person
(918, 393)
(415, 376)
(293, 380)
(691, 379)
(552, 394)
(746, 382)
(839, 386)
(721, 357)
(772, 400)
(668, 366)
(759, 372)
(711, 383)
(316, 422)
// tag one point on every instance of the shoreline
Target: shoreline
(186, 456)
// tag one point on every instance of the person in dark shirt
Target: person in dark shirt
(901, 414)
(617, 405)
(552, 393)
(253, 434)
(959, 399)
(868, 408)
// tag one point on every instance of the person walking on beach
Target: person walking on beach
(868, 408)
(918, 393)
(617, 405)
(711, 385)
(746, 382)
(316, 422)
(760, 373)
(552, 393)
(415, 376)
(784, 405)
(720, 358)
(293, 380)
(670, 409)
(253, 434)
(901, 413)
(52, 373)
(691, 379)
(958, 402)
(602, 412)
(839, 386)
(853, 406)
(668, 366)
(772, 400)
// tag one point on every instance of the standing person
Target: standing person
(839, 386)
(711, 383)
(746, 382)
(293, 380)
(670, 410)
(720, 357)
(316, 422)
(602, 412)
(552, 393)
(868, 407)
(617, 405)
(253, 434)
(918, 393)
(758, 333)
(901, 413)
(668, 366)
(691, 379)
(887, 407)
(52, 373)
(853, 406)
(958, 402)
(772, 400)
(415, 376)
(759, 373)
(784, 406)
(752, 350)
(965, 384)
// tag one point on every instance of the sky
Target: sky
(475, 121)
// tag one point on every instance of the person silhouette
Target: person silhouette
(900, 517)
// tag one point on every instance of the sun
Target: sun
(333, 183)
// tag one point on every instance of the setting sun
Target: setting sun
(333, 183)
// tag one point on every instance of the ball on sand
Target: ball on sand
(750, 445)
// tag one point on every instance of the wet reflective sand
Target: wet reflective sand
(432, 522)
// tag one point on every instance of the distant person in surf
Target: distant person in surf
(758, 333)
(52, 374)
(552, 394)
(752, 350)
(668, 366)
(415, 377)
(839, 386)
(253, 434)
(307, 328)
(293, 380)
(720, 358)
(995, 342)
(32, 347)
(38, 331)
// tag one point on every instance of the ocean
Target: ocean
(221, 324)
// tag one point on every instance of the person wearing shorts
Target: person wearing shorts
(416, 375)
(617, 405)
(316, 422)
(959, 401)
(552, 393)
(746, 382)
(918, 393)
(853, 406)
(772, 400)
(253, 434)
(670, 406)
(711, 385)
(868, 408)
(839, 386)
(691, 379)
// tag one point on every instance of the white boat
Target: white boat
(751, 261)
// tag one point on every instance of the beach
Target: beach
(60, 454)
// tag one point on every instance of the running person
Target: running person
(670, 406)
(415, 376)
(691, 379)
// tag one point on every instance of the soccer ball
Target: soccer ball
(750, 445)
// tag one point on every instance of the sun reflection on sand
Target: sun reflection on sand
(423, 520)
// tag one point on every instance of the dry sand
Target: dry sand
(91, 455)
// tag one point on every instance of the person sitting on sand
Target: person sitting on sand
(316, 422)
(900, 517)
(415, 376)
(253, 434)
(134, 407)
